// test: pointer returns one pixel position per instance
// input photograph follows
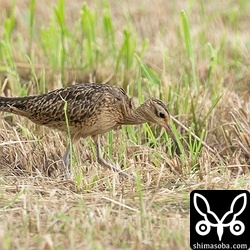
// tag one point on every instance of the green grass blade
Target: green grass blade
(31, 27)
(214, 104)
(69, 141)
(60, 17)
(108, 29)
(213, 61)
(189, 47)
(148, 72)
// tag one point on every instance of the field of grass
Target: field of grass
(193, 55)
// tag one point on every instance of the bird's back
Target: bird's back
(86, 105)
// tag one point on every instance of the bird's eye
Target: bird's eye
(162, 115)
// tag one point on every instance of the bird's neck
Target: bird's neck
(134, 116)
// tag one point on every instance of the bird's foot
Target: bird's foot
(102, 162)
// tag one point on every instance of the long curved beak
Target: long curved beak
(171, 134)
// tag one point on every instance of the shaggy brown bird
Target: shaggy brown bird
(92, 109)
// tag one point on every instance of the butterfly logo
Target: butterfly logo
(203, 227)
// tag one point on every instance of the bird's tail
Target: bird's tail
(15, 105)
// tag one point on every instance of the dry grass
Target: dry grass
(97, 209)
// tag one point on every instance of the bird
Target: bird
(87, 109)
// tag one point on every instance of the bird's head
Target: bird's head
(155, 111)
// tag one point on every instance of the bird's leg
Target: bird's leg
(102, 162)
(66, 162)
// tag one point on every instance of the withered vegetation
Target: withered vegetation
(144, 47)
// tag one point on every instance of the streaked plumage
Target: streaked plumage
(92, 109)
